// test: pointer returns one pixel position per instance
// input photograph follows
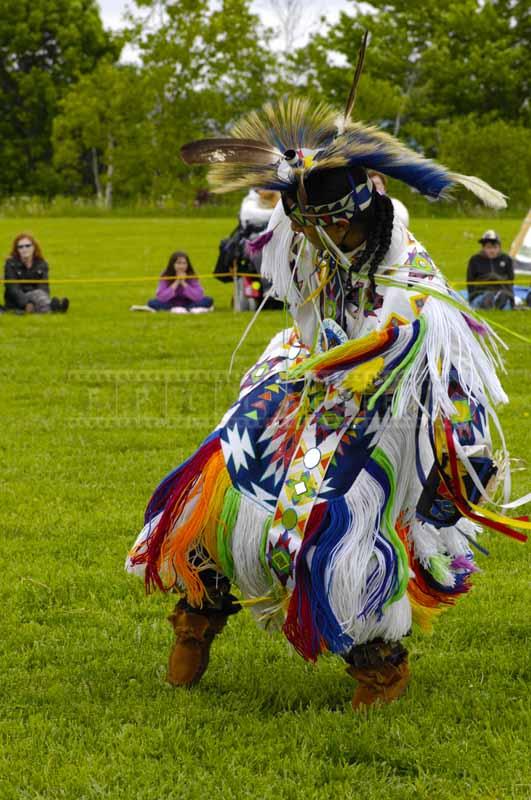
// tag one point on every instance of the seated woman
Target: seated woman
(26, 264)
(177, 291)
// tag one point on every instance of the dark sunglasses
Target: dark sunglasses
(24, 246)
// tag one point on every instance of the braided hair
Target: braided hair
(379, 232)
(327, 186)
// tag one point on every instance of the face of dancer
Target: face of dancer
(346, 236)
(25, 251)
(491, 249)
(337, 232)
(181, 266)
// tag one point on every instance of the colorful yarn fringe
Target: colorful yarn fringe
(474, 512)
(427, 595)
(347, 356)
(185, 539)
(311, 625)
(380, 459)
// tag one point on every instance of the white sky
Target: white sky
(112, 10)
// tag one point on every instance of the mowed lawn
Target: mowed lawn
(97, 406)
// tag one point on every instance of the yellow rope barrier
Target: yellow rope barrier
(133, 279)
(516, 282)
(146, 278)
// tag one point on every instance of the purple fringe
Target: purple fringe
(476, 326)
(462, 562)
(255, 246)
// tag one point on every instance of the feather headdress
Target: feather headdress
(279, 146)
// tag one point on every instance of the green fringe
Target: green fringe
(227, 520)
(263, 547)
(404, 365)
(440, 568)
(403, 566)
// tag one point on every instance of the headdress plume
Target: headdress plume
(278, 146)
(351, 99)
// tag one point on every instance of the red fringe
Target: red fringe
(424, 594)
(177, 499)
(299, 626)
(461, 502)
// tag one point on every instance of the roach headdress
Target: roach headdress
(290, 145)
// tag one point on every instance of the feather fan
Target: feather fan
(290, 124)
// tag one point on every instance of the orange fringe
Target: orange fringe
(426, 603)
(201, 507)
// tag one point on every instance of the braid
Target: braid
(378, 237)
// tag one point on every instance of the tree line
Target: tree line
(450, 77)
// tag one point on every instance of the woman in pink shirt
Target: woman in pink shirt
(177, 291)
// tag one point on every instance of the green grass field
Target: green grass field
(97, 406)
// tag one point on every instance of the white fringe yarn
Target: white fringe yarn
(139, 569)
(397, 445)
(393, 625)
(275, 267)
(349, 562)
(355, 557)
(427, 542)
(448, 343)
(453, 540)
(249, 575)
(276, 257)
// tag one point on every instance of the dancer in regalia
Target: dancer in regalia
(343, 491)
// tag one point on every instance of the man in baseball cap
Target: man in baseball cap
(490, 236)
(486, 275)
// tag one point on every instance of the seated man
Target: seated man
(490, 265)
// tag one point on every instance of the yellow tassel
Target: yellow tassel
(424, 616)
(362, 378)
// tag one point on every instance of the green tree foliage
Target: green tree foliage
(206, 67)
(451, 77)
(44, 46)
(447, 59)
(498, 151)
(314, 71)
(103, 136)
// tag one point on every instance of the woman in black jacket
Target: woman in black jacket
(26, 263)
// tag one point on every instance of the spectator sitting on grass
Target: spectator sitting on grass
(178, 291)
(26, 263)
(490, 265)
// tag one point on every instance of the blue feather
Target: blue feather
(373, 149)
